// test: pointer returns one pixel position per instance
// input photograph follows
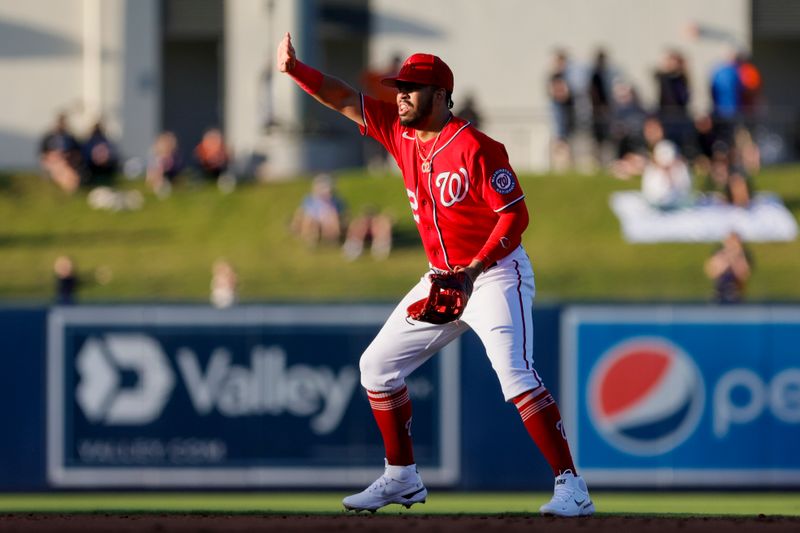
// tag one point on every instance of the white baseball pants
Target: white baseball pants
(499, 312)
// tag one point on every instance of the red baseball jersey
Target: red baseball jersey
(456, 183)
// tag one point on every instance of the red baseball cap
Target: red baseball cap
(423, 69)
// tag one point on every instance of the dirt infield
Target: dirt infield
(212, 523)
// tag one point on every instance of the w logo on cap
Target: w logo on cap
(646, 396)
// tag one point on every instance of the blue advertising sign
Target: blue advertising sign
(251, 396)
(683, 396)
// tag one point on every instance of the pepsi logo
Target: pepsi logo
(645, 396)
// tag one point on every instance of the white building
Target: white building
(184, 65)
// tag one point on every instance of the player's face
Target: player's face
(414, 103)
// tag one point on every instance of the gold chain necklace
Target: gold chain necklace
(428, 161)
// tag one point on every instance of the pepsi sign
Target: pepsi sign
(645, 396)
(682, 396)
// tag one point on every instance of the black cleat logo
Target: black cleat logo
(412, 494)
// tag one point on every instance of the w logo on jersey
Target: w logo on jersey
(453, 186)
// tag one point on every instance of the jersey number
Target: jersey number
(412, 199)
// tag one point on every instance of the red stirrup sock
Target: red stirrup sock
(542, 419)
(392, 411)
(308, 78)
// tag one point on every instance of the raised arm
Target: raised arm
(329, 91)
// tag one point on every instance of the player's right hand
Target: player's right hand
(286, 54)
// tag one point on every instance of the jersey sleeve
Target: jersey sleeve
(381, 122)
(499, 185)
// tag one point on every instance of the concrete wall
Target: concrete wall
(256, 95)
(500, 51)
(273, 126)
(87, 58)
(40, 65)
(134, 77)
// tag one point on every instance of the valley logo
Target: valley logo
(267, 387)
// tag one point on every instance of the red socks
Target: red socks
(392, 411)
(539, 412)
(542, 419)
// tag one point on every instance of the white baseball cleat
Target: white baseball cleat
(398, 484)
(570, 497)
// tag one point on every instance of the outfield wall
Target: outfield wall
(133, 397)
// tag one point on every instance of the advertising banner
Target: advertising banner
(683, 395)
(250, 396)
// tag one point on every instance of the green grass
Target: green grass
(164, 252)
(702, 503)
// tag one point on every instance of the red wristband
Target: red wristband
(308, 78)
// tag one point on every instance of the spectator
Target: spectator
(666, 181)
(627, 124)
(60, 156)
(100, 157)
(66, 280)
(750, 79)
(653, 132)
(673, 99)
(641, 134)
(164, 164)
(319, 217)
(727, 180)
(730, 267)
(701, 149)
(211, 154)
(370, 227)
(224, 284)
(747, 153)
(469, 111)
(600, 97)
(562, 104)
(726, 95)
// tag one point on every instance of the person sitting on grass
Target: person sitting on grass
(319, 217)
(60, 156)
(666, 181)
(164, 164)
(371, 227)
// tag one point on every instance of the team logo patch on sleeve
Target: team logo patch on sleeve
(503, 181)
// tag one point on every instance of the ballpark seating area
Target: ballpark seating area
(163, 249)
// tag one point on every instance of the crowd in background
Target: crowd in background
(673, 150)
(683, 158)
(71, 162)
(667, 144)
(596, 101)
(94, 161)
(322, 219)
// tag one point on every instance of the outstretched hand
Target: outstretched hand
(286, 54)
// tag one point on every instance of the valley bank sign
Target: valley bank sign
(253, 396)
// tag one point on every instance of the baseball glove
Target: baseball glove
(446, 301)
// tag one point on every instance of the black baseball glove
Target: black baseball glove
(446, 301)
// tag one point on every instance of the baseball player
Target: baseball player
(470, 212)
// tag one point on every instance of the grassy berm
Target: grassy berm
(164, 251)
